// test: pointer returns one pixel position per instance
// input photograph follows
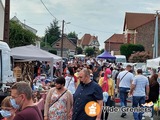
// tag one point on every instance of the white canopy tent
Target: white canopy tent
(31, 52)
(153, 63)
(79, 55)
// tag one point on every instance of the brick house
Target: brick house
(69, 47)
(139, 28)
(88, 41)
(114, 42)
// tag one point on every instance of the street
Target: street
(129, 116)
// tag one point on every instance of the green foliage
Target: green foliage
(79, 50)
(44, 44)
(89, 51)
(19, 36)
(53, 51)
(102, 50)
(139, 57)
(140, 47)
(128, 49)
(52, 33)
(72, 35)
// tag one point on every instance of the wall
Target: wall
(112, 46)
(67, 45)
(1, 20)
(145, 36)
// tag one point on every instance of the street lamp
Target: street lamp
(63, 36)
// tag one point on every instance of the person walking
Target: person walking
(21, 93)
(107, 85)
(58, 102)
(86, 92)
(124, 80)
(140, 91)
(153, 91)
(71, 80)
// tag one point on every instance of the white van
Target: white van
(120, 59)
(6, 75)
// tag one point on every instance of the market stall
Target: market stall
(32, 53)
(153, 63)
(106, 55)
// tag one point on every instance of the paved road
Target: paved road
(116, 115)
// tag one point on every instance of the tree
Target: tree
(18, 36)
(72, 35)
(52, 33)
(53, 51)
(89, 51)
(128, 49)
(79, 50)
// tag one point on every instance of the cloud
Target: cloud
(97, 17)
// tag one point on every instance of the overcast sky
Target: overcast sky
(101, 18)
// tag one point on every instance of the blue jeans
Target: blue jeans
(123, 93)
(138, 101)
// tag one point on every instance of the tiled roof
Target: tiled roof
(116, 38)
(64, 37)
(134, 20)
(87, 39)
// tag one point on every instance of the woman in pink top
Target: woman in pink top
(107, 85)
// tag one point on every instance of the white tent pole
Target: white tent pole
(51, 64)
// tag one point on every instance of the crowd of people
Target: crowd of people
(80, 83)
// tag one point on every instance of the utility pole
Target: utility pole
(6, 21)
(62, 38)
(155, 50)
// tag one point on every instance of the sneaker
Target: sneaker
(151, 118)
(143, 118)
(123, 114)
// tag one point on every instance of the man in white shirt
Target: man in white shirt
(124, 80)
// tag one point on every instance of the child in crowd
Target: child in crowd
(7, 110)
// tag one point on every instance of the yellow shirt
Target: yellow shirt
(76, 74)
(110, 85)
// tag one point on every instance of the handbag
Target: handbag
(58, 98)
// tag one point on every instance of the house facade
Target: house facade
(88, 41)
(1, 20)
(34, 31)
(114, 42)
(24, 25)
(69, 47)
(139, 28)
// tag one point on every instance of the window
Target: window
(57, 44)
